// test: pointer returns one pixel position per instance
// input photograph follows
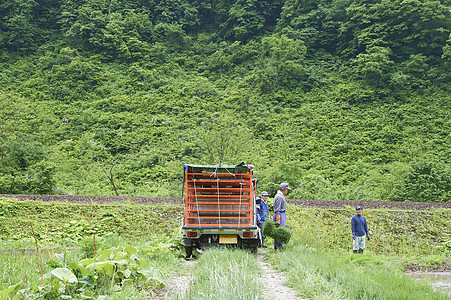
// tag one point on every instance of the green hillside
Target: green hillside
(343, 99)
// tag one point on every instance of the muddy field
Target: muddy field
(179, 200)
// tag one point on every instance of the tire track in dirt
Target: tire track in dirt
(177, 285)
(274, 282)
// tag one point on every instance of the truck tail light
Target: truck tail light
(192, 234)
(247, 234)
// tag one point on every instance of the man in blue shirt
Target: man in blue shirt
(359, 229)
(263, 214)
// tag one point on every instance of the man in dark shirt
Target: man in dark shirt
(263, 214)
(280, 208)
(359, 229)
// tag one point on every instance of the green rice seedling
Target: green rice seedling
(220, 273)
(278, 233)
(318, 275)
(268, 228)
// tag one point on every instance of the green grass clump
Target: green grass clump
(65, 223)
(225, 274)
(279, 233)
(318, 275)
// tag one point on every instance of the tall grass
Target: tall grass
(318, 275)
(392, 232)
(225, 274)
(21, 265)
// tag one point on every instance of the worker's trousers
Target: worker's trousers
(358, 243)
(283, 220)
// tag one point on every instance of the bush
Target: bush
(426, 180)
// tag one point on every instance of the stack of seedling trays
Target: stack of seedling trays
(279, 233)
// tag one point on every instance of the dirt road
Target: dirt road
(274, 282)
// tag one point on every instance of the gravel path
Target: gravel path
(274, 282)
(177, 285)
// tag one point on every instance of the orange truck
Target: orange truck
(220, 208)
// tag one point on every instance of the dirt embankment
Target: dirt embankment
(97, 199)
(179, 200)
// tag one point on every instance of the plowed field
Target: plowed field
(178, 200)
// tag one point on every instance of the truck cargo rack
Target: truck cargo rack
(218, 197)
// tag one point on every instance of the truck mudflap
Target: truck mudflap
(220, 240)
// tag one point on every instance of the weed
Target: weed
(223, 272)
(316, 274)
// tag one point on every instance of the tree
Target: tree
(20, 32)
(406, 27)
(427, 180)
(224, 140)
(281, 53)
(375, 65)
(25, 167)
(244, 19)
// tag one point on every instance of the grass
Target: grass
(330, 272)
(319, 275)
(71, 222)
(18, 266)
(221, 273)
(395, 233)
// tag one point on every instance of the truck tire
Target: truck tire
(253, 249)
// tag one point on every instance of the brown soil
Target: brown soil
(177, 286)
(274, 282)
(178, 200)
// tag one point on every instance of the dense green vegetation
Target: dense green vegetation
(394, 233)
(318, 275)
(225, 272)
(136, 248)
(63, 223)
(344, 99)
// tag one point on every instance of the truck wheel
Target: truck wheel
(254, 249)
(189, 251)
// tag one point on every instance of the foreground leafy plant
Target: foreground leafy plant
(107, 273)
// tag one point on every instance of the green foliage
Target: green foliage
(110, 272)
(316, 274)
(447, 247)
(426, 180)
(64, 223)
(10, 292)
(335, 97)
(392, 232)
(25, 167)
(222, 272)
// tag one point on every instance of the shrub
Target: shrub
(426, 180)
